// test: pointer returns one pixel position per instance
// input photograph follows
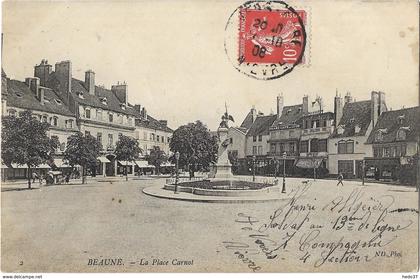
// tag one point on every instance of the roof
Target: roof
(354, 113)
(389, 120)
(20, 96)
(152, 123)
(247, 123)
(261, 125)
(112, 102)
(289, 115)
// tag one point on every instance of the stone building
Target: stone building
(355, 121)
(70, 105)
(395, 142)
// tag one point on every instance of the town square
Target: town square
(261, 136)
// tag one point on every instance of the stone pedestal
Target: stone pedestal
(223, 166)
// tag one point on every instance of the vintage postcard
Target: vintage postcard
(210, 136)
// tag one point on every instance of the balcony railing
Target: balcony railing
(280, 153)
(318, 130)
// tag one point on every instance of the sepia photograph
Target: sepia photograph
(210, 136)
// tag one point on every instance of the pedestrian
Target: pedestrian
(34, 176)
(340, 179)
(67, 178)
(41, 178)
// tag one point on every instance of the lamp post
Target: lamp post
(253, 167)
(283, 189)
(363, 171)
(177, 173)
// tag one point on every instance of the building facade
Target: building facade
(355, 121)
(394, 141)
(72, 105)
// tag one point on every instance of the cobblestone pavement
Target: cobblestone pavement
(72, 228)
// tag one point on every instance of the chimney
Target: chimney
(280, 105)
(144, 113)
(305, 104)
(374, 103)
(348, 98)
(41, 95)
(381, 103)
(164, 122)
(338, 109)
(253, 114)
(63, 73)
(43, 71)
(120, 90)
(90, 81)
(137, 108)
(34, 85)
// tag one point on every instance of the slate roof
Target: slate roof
(112, 102)
(152, 123)
(247, 123)
(261, 125)
(20, 96)
(354, 113)
(389, 120)
(289, 115)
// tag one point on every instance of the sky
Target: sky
(171, 53)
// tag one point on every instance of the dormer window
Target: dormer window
(58, 102)
(351, 120)
(379, 136)
(122, 106)
(356, 129)
(400, 119)
(18, 94)
(104, 101)
(402, 133)
(46, 100)
(340, 130)
(80, 95)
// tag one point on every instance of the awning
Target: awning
(25, 166)
(126, 163)
(103, 159)
(144, 164)
(59, 163)
(308, 163)
(167, 164)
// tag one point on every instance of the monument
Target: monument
(223, 167)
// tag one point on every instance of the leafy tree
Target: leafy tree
(82, 150)
(24, 140)
(157, 157)
(195, 144)
(127, 149)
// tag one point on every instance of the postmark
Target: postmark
(266, 39)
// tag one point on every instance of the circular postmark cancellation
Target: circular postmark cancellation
(265, 39)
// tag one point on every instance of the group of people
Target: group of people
(50, 179)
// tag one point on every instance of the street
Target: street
(112, 226)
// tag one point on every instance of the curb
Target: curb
(208, 200)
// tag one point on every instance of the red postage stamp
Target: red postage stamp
(271, 36)
(266, 39)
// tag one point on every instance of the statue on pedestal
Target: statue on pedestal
(223, 167)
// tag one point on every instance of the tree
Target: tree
(127, 149)
(195, 144)
(24, 140)
(82, 150)
(157, 157)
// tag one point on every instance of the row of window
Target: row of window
(119, 119)
(52, 120)
(397, 150)
(316, 145)
(401, 134)
(153, 137)
(254, 138)
(345, 147)
(257, 150)
(283, 147)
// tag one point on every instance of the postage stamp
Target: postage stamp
(270, 39)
